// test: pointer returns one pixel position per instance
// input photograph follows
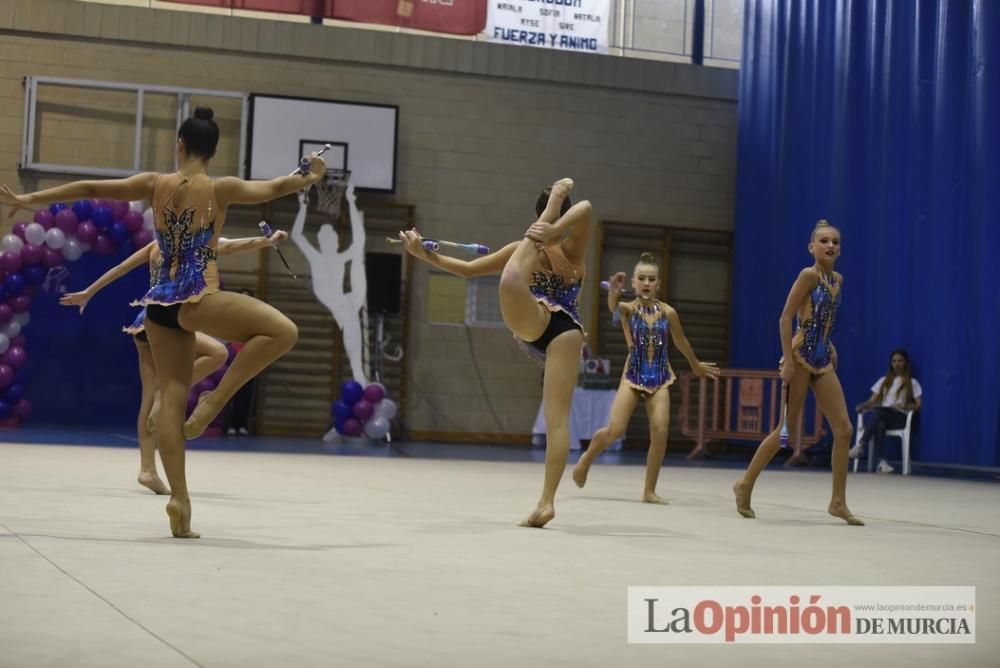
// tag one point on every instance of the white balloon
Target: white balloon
(12, 329)
(55, 238)
(35, 234)
(12, 243)
(84, 245)
(377, 427)
(385, 409)
(72, 249)
(4, 343)
(147, 218)
(22, 318)
(138, 205)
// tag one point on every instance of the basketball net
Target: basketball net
(330, 190)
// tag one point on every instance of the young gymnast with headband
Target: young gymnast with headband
(810, 361)
(209, 354)
(646, 322)
(189, 211)
(541, 277)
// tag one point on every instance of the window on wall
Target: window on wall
(456, 301)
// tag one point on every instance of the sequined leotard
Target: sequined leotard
(155, 262)
(646, 327)
(557, 288)
(811, 345)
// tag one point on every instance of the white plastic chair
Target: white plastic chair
(902, 434)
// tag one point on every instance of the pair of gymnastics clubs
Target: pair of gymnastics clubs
(434, 245)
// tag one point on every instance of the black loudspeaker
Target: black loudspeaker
(384, 272)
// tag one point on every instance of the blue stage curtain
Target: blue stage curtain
(882, 116)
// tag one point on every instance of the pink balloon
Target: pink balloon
(6, 313)
(15, 357)
(142, 237)
(51, 257)
(87, 232)
(352, 428)
(133, 221)
(103, 245)
(6, 376)
(20, 304)
(66, 221)
(374, 393)
(44, 218)
(363, 410)
(19, 228)
(118, 209)
(10, 261)
(31, 255)
(23, 409)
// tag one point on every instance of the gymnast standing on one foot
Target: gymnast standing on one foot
(540, 282)
(209, 354)
(646, 322)
(189, 211)
(810, 360)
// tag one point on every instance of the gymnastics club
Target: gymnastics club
(304, 163)
(266, 230)
(433, 245)
(783, 436)
(607, 286)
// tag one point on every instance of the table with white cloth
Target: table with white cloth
(590, 412)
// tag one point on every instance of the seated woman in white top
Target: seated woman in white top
(892, 395)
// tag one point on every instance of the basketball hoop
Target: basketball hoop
(331, 189)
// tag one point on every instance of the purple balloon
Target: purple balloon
(35, 275)
(6, 375)
(20, 304)
(362, 410)
(51, 257)
(23, 409)
(15, 357)
(31, 255)
(351, 392)
(133, 221)
(119, 209)
(87, 232)
(352, 428)
(6, 313)
(117, 232)
(19, 340)
(142, 237)
(10, 261)
(67, 221)
(374, 393)
(14, 284)
(103, 245)
(45, 218)
(18, 229)
(82, 209)
(102, 218)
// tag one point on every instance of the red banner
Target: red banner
(459, 17)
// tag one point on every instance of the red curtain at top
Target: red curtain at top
(459, 17)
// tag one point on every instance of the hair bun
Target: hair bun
(204, 113)
(647, 258)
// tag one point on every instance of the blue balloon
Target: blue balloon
(35, 275)
(5, 409)
(14, 393)
(14, 284)
(338, 424)
(118, 232)
(102, 218)
(351, 392)
(56, 208)
(83, 210)
(341, 409)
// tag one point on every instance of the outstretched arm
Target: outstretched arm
(246, 244)
(134, 260)
(482, 266)
(701, 369)
(298, 230)
(231, 190)
(135, 187)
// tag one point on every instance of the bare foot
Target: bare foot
(151, 481)
(180, 518)
(202, 416)
(653, 497)
(541, 516)
(798, 459)
(580, 471)
(840, 510)
(563, 187)
(743, 500)
(154, 414)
